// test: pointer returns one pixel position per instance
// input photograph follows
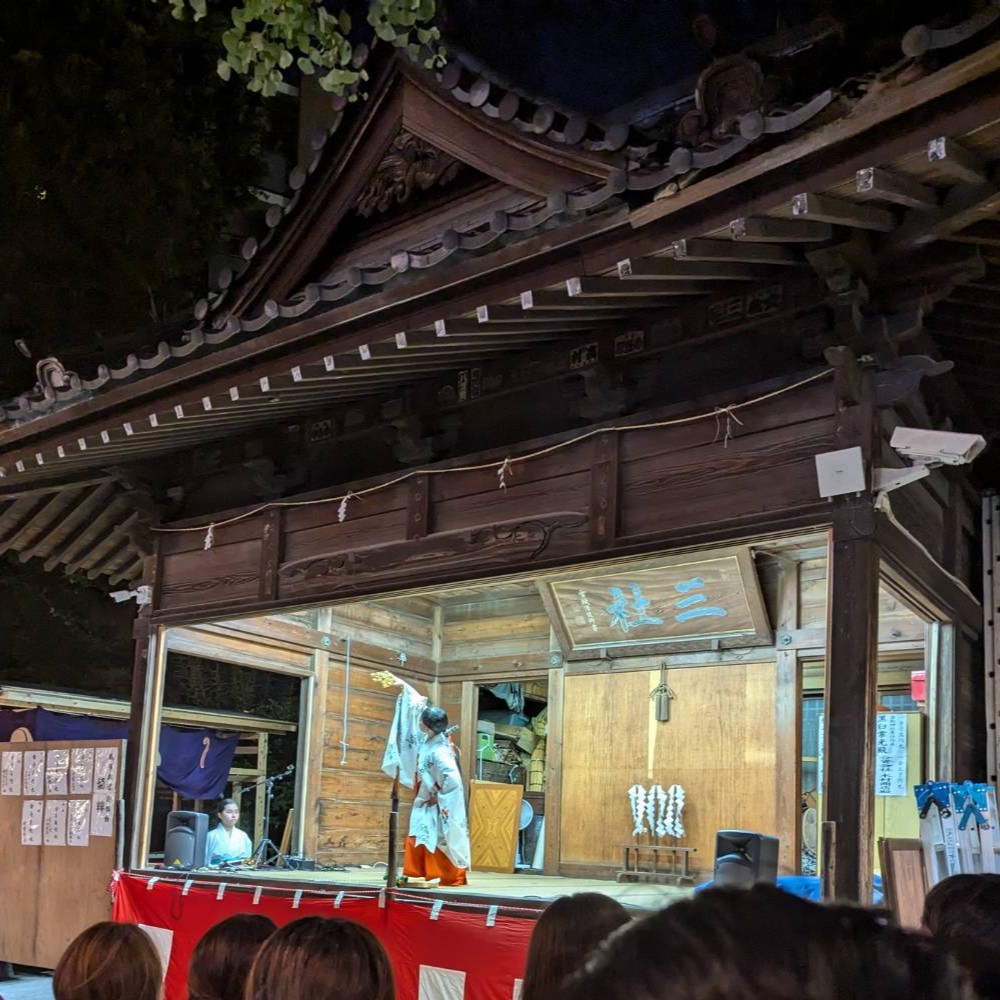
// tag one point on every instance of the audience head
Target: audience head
(321, 959)
(109, 961)
(566, 932)
(764, 944)
(963, 915)
(221, 960)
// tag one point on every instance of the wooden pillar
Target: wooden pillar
(851, 697)
(788, 727)
(141, 632)
(852, 654)
(140, 669)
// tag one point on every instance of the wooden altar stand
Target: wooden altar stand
(663, 864)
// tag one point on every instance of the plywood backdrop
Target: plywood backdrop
(720, 745)
(50, 894)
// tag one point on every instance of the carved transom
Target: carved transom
(411, 166)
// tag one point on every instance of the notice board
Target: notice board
(60, 807)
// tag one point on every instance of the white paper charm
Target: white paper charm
(81, 771)
(106, 770)
(54, 834)
(78, 832)
(32, 811)
(102, 815)
(11, 764)
(34, 772)
(57, 772)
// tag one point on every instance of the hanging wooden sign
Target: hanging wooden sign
(710, 598)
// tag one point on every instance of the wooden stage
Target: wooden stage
(530, 888)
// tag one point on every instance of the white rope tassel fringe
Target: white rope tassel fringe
(502, 473)
(342, 509)
(727, 412)
(210, 537)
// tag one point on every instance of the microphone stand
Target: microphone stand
(267, 854)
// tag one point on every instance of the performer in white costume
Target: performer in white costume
(422, 757)
(438, 844)
(227, 842)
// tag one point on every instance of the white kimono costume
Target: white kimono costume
(223, 846)
(438, 820)
(405, 737)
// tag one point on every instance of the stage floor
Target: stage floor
(527, 886)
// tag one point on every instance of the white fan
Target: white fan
(809, 824)
(526, 819)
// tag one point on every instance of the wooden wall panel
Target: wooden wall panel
(225, 574)
(354, 796)
(754, 475)
(720, 745)
(679, 484)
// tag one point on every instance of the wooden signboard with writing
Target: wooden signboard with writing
(660, 603)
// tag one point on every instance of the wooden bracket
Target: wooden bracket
(843, 360)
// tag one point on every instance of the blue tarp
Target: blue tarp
(195, 763)
(808, 887)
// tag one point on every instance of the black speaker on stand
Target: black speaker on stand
(185, 841)
(743, 859)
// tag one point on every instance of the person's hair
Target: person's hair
(321, 959)
(963, 915)
(107, 962)
(221, 960)
(563, 936)
(764, 944)
(225, 802)
(434, 718)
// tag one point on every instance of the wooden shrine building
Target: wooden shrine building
(502, 386)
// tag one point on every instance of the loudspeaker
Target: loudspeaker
(743, 858)
(184, 843)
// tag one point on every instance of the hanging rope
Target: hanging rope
(504, 467)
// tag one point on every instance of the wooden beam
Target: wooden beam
(555, 301)
(876, 184)
(733, 251)
(962, 164)
(615, 288)
(964, 205)
(767, 230)
(65, 546)
(840, 212)
(912, 570)
(686, 270)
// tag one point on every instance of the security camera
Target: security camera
(936, 447)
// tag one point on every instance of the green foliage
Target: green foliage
(122, 157)
(268, 36)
